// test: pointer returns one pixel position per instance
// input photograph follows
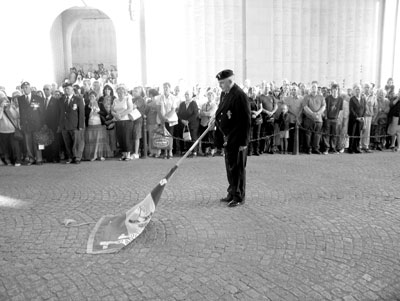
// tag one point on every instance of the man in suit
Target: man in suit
(51, 120)
(31, 111)
(233, 120)
(72, 124)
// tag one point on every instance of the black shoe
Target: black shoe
(77, 162)
(379, 148)
(39, 163)
(7, 162)
(368, 151)
(358, 151)
(317, 152)
(235, 203)
(227, 199)
(256, 154)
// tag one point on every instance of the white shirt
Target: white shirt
(168, 104)
(121, 105)
(47, 101)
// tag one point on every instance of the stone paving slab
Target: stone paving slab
(312, 228)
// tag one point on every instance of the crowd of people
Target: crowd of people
(95, 119)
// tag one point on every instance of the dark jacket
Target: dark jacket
(233, 118)
(357, 107)
(52, 113)
(31, 114)
(88, 109)
(394, 109)
(191, 114)
(72, 116)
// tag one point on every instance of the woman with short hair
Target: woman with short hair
(206, 113)
(121, 108)
(140, 105)
(188, 113)
(151, 112)
(168, 116)
(96, 139)
(380, 120)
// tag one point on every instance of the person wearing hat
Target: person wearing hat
(72, 124)
(233, 120)
(31, 110)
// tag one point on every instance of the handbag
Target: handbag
(186, 134)
(18, 134)
(162, 139)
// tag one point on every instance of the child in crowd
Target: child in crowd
(283, 123)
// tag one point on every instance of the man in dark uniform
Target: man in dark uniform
(31, 108)
(52, 120)
(72, 124)
(233, 120)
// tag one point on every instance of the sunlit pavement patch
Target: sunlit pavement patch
(6, 201)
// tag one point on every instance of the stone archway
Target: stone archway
(76, 41)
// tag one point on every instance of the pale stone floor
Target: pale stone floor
(313, 228)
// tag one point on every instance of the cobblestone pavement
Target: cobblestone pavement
(313, 228)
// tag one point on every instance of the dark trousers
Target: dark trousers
(313, 134)
(52, 152)
(74, 143)
(124, 134)
(255, 131)
(330, 132)
(291, 137)
(235, 164)
(32, 148)
(354, 130)
(171, 129)
(185, 145)
(267, 129)
(208, 140)
(10, 148)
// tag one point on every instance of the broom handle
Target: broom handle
(195, 144)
